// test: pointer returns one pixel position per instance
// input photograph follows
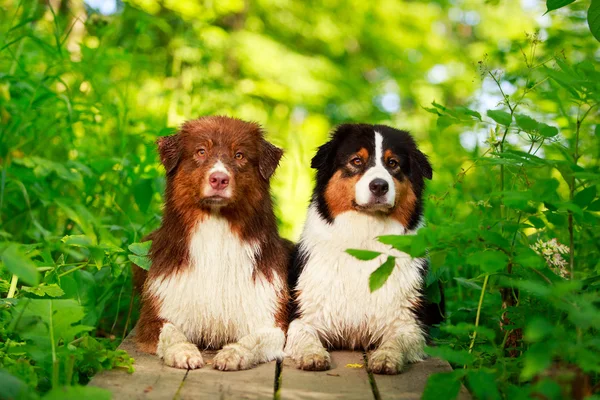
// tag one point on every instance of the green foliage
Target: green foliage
(83, 97)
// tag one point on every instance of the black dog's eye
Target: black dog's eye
(356, 161)
(392, 163)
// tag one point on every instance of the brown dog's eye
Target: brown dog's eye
(239, 156)
(202, 152)
(392, 163)
(356, 161)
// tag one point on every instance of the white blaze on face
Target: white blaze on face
(208, 190)
(364, 196)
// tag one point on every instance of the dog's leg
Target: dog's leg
(176, 350)
(251, 350)
(403, 344)
(305, 347)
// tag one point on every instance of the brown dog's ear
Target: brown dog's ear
(269, 159)
(170, 151)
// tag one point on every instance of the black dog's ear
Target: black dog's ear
(169, 149)
(321, 159)
(269, 159)
(420, 164)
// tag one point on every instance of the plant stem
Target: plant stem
(485, 281)
(53, 347)
(73, 269)
(13, 287)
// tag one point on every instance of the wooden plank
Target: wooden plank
(340, 382)
(411, 383)
(151, 379)
(255, 383)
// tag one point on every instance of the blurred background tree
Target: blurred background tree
(86, 87)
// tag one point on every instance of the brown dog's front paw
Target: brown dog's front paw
(233, 358)
(184, 356)
(314, 360)
(385, 362)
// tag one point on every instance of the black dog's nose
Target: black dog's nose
(379, 187)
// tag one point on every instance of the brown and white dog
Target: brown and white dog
(370, 181)
(219, 267)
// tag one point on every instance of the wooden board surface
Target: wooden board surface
(410, 384)
(340, 382)
(153, 380)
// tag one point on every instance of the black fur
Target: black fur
(332, 156)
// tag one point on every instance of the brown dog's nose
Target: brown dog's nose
(218, 180)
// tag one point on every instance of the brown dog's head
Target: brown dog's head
(216, 162)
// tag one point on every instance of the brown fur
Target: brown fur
(249, 211)
(406, 201)
(339, 193)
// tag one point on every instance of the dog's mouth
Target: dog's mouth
(215, 201)
(373, 207)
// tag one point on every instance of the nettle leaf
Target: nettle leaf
(537, 329)
(48, 324)
(595, 206)
(142, 262)
(547, 130)
(593, 18)
(526, 123)
(442, 386)
(552, 5)
(142, 192)
(77, 393)
(140, 249)
(77, 240)
(489, 261)
(364, 255)
(585, 197)
(414, 245)
(381, 274)
(52, 290)
(467, 283)
(20, 265)
(483, 384)
(462, 357)
(537, 358)
(501, 117)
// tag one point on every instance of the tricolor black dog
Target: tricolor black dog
(369, 183)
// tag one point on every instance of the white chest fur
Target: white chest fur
(334, 293)
(218, 298)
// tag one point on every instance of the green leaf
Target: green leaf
(585, 197)
(595, 206)
(364, 255)
(77, 240)
(467, 283)
(443, 386)
(381, 274)
(141, 261)
(552, 5)
(489, 261)
(48, 325)
(78, 393)
(501, 117)
(142, 192)
(20, 265)
(537, 358)
(537, 329)
(52, 290)
(593, 18)
(13, 387)
(483, 385)
(526, 123)
(140, 249)
(462, 357)
(547, 130)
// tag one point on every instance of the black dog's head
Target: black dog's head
(371, 169)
